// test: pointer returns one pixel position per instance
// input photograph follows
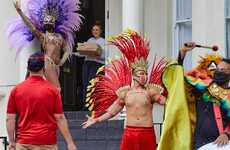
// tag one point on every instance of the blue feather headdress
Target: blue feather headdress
(67, 20)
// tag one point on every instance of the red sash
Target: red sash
(219, 121)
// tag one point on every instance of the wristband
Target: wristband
(110, 114)
(158, 98)
(121, 103)
(96, 120)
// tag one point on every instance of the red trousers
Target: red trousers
(138, 138)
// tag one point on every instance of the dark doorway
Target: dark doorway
(71, 73)
(71, 84)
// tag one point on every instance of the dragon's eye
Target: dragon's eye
(212, 65)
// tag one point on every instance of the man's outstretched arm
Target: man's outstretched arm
(113, 110)
(27, 21)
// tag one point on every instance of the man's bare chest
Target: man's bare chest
(137, 98)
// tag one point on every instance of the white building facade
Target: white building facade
(167, 24)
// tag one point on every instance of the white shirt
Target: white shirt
(100, 41)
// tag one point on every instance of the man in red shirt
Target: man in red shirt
(38, 107)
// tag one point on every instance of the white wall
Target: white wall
(133, 15)
(113, 24)
(3, 104)
(23, 57)
(9, 67)
(208, 23)
(157, 18)
(157, 28)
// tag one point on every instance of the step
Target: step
(101, 136)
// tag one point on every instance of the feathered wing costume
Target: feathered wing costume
(115, 78)
(62, 13)
(102, 89)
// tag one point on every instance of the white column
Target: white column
(113, 25)
(133, 15)
(132, 18)
(157, 28)
(124, 14)
(208, 25)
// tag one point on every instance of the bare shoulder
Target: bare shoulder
(153, 89)
(122, 92)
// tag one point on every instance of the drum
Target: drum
(212, 146)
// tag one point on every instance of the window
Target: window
(182, 29)
(227, 4)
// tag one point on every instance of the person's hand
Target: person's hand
(17, 5)
(221, 140)
(71, 146)
(12, 146)
(189, 46)
(90, 121)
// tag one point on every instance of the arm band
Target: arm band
(121, 103)
(111, 115)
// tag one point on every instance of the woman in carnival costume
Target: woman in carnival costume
(53, 23)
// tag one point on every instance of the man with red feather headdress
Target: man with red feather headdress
(124, 82)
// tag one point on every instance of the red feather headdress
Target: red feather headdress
(134, 48)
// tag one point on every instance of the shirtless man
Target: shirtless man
(51, 42)
(138, 100)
